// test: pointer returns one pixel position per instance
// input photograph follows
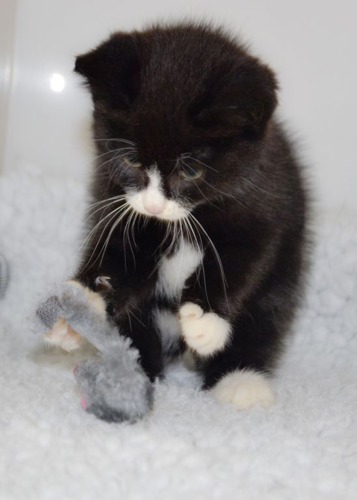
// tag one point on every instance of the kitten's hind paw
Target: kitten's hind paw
(244, 389)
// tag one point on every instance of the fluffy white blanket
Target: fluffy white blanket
(305, 447)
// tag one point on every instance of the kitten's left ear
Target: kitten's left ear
(241, 101)
(112, 70)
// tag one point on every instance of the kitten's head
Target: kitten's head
(179, 116)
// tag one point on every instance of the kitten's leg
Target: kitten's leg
(234, 358)
(134, 323)
(138, 325)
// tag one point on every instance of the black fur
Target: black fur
(191, 88)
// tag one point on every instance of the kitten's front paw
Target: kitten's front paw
(74, 304)
(244, 389)
(205, 333)
(62, 335)
(77, 298)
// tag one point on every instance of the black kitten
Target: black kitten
(199, 218)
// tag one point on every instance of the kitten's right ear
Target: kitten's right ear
(112, 70)
(239, 100)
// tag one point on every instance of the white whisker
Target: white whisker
(128, 230)
(210, 202)
(122, 196)
(103, 208)
(215, 252)
(136, 217)
(189, 156)
(118, 153)
(104, 248)
(115, 139)
(258, 188)
(171, 225)
(92, 232)
(112, 215)
(199, 246)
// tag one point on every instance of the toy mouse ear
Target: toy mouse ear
(112, 70)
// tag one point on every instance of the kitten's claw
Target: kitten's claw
(205, 333)
(102, 284)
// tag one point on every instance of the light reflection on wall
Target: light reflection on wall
(57, 82)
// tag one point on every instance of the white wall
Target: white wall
(310, 43)
(7, 37)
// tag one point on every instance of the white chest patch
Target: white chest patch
(175, 270)
(167, 324)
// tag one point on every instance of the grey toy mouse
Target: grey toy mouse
(113, 386)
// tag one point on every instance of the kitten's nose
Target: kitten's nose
(154, 209)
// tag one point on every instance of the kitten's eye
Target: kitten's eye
(133, 164)
(191, 171)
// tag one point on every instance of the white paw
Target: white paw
(244, 389)
(205, 333)
(62, 335)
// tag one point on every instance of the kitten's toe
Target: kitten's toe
(244, 389)
(190, 311)
(62, 335)
(205, 333)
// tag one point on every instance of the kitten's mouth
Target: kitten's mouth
(163, 209)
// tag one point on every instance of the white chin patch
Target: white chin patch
(152, 202)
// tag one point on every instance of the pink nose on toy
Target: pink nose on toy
(84, 403)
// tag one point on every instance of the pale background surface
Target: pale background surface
(311, 45)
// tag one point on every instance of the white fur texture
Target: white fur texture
(191, 446)
(175, 270)
(244, 389)
(169, 328)
(205, 333)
